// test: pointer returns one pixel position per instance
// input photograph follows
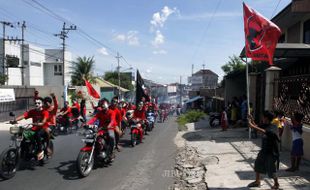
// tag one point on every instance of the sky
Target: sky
(161, 38)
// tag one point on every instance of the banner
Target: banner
(140, 89)
(7, 95)
(261, 35)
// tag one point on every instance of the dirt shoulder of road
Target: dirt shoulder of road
(211, 159)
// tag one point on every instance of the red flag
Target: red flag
(261, 35)
(91, 90)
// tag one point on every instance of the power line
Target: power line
(274, 11)
(80, 30)
(206, 29)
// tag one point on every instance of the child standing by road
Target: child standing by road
(297, 145)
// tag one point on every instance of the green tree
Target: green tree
(82, 68)
(235, 63)
(3, 79)
(125, 79)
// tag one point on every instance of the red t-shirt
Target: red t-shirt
(139, 114)
(68, 108)
(37, 116)
(118, 115)
(123, 111)
(77, 105)
(105, 118)
(52, 113)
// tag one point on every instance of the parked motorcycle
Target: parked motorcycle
(215, 119)
(23, 147)
(96, 150)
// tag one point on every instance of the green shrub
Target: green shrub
(189, 117)
(194, 116)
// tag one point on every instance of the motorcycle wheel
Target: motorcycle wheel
(83, 167)
(9, 159)
(133, 139)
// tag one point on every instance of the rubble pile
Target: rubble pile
(190, 170)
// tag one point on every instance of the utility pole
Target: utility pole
(192, 69)
(181, 90)
(119, 75)
(63, 35)
(4, 24)
(23, 26)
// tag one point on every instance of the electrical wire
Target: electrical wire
(274, 11)
(206, 29)
(80, 30)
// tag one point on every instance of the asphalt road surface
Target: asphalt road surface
(142, 167)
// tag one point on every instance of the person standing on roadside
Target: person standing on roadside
(297, 144)
(267, 160)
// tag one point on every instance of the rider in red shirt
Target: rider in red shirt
(66, 114)
(118, 117)
(52, 110)
(39, 118)
(107, 120)
(139, 117)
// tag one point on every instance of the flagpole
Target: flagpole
(248, 91)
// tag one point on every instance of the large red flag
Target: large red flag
(91, 90)
(261, 35)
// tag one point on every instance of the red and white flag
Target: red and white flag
(91, 90)
(261, 35)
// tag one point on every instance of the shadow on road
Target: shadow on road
(68, 170)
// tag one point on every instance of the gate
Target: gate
(23, 101)
(294, 95)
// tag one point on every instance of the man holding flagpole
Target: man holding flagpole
(261, 38)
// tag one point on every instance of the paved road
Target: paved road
(141, 167)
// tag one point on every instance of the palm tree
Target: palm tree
(82, 68)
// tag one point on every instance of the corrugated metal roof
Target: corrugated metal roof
(105, 84)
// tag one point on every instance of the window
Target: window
(57, 70)
(307, 32)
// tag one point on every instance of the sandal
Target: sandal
(254, 184)
(275, 186)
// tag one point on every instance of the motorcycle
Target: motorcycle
(23, 147)
(96, 150)
(150, 117)
(136, 131)
(62, 126)
(215, 119)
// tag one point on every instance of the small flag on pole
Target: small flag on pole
(91, 90)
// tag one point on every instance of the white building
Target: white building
(33, 63)
(41, 66)
(12, 51)
(53, 66)
(204, 78)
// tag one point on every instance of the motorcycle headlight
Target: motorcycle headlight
(15, 130)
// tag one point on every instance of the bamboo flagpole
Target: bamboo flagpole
(248, 93)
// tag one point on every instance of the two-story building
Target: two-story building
(40, 67)
(203, 78)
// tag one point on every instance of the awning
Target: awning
(193, 99)
(288, 50)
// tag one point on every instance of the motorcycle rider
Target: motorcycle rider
(52, 110)
(107, 121)
(39, 118)
(118, 117)
(65, 112)
(124, 118)
(139, 118)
